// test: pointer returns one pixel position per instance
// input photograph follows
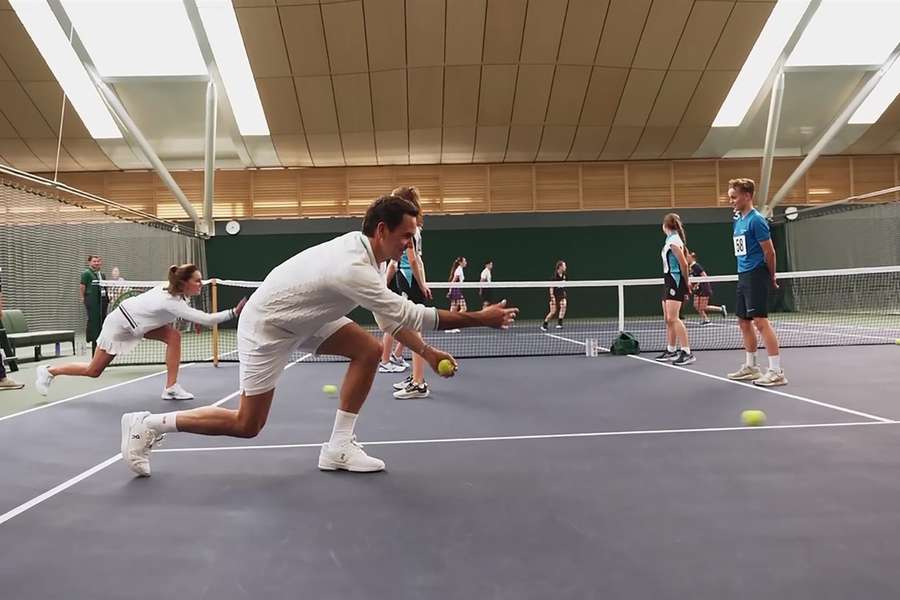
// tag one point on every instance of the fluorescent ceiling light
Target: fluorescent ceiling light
(848, 32)
(781, 24)
(879, 98)
(54, 46)
(224, 36)
(133, 38)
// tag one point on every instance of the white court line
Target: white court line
(97, 468)
(60, 488)
(547, 436)
(767, 390)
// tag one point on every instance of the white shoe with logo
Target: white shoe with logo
(772, 378)
(746, 373)
(348, 457)
(176, 392)
(137, 441)
(42, 380)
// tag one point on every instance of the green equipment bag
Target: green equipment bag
(625, 344)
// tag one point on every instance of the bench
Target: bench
(18, 335)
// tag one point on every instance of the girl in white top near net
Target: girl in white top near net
(455, 295)
(486, 293)
(149, 315)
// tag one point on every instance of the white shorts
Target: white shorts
(265, 350)
(117, 336)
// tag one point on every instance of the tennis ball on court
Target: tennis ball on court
(753, 418)
(330, 389)
(445, 368)
(897, 341)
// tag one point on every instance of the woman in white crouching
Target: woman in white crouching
(148, 315)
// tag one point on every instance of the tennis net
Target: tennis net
(811, 308)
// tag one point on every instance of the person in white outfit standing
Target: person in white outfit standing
(302, 305)
(148, 315)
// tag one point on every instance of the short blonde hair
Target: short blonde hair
(743, 184)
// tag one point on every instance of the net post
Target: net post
(621, 289)
(215, 328)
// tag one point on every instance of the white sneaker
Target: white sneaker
(176, 392)
(42, 380)
(746, 373)
(348, 457)
(10, 384)
(413, 391)
(389, 367)
(724, 312)
(401, 385)
(772, 378)
(451, 331)
(137, 440)
(399, 361)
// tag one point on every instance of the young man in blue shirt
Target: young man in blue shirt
(755, 255)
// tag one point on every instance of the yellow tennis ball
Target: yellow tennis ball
(897, 341)
(445, 368)
(753, 418)
(330, 389)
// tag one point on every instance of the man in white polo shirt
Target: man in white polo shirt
(303, 304)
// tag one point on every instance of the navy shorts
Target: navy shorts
(673, 290)
(753, 293)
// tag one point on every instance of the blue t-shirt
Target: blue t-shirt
(404, 266)
(749, 231)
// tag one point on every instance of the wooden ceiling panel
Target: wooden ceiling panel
(305, 39)
(389, 99)
(45, 150)
(279, 102)
(638, 97)
(393, 147)
(532, 94)
(589, 142)
(88, 154)
(603, 186)
(317, 104)
(829, 179)
(6, 128)
(556, 187)
(604, 91)
(252, 3)
(622, 141)
(345, 35)
(662, 32)
(325, 149)
(701, 33)
(385, 34)
(498, 84)
(261, 30)
(649, 184)
(465, 31)
(708, 97)
(741, 30)
(581, 34)
(461, 95)
(20, 155)
(503, 31)
(425, 33)
(359, 147)
(426, 86)
(695, 183)
(686, 141)
(47, 97)
(354, 102)
(523, 143)
(19, 52)
(5, 73)
(735, 169)
(622, 32)
(567, 97)
(653, 142)
(21, 111)
(555, 143)
(425, 146)
(872, 173)
(490, 144)
(543, 30)
(458, 144)
(674, 95)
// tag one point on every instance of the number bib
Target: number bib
(740, 245)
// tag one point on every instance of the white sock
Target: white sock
(343, 428)
(670, 348)
(686, 349)
(775, 362)
(751, 359)
(164, 423)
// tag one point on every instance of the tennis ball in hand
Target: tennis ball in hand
(753, 418)
(445, 368)
(330, 389)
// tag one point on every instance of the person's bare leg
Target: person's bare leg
(563, 305)
(675, 324)
(768, 336)
(552, 312)
(353, 342)
(701, 303)
(387, 342)
(94, 368)
(750, 341)
(670, 331)
(171, 337)
(245, 422)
